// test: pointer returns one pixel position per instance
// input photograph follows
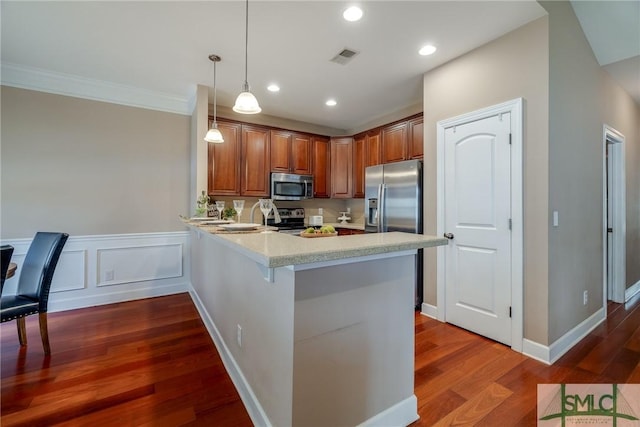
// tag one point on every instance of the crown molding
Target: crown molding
(31, 78)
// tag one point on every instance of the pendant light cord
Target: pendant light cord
(246, 47)
(215, 93)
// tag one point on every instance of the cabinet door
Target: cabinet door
(280, 150)
(373, 148)
(321, 167)
(342, 168)
(300, 160)
(359, 153)
(416, 143)
(224, 162)
(255, 161)
(394, 143)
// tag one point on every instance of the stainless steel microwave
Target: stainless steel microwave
(288, 186)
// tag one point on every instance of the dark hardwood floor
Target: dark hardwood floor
(152, 363)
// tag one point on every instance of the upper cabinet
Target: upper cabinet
(241, 165)
(321, 167)
(290, 152)
(342, 168)
(402, 140)
(366, 152)
(255, 161)
(394, 143)
(224, 161)
(416, 139)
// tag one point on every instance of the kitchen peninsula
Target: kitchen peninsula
(313, 332)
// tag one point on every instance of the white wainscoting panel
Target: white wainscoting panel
(142, 265)
(138, 264)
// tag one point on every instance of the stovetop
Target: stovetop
(291, 219)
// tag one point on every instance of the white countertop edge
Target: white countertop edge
(341, 261)
(319, 256)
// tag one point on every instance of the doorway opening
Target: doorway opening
(614, 230)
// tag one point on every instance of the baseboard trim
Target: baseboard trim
(631, 291)
(402, 413)
(63, 304)
(429, 310)
(550, 354)
(248, 397)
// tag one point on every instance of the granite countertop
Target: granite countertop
(279, 249)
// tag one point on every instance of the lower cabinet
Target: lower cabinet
(348, 231)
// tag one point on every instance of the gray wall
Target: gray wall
(582, 98)
(88, 167)
(621, 112)
(515, 65)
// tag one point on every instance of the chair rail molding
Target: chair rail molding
(104, 269)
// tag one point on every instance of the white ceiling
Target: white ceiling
(613, 31)
(125, 51)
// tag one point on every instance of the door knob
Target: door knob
(448, 236)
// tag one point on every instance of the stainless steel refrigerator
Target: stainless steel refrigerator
(393, 202)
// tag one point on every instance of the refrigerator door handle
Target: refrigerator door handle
(381, 207)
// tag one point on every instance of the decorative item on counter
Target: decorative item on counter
(344, 218)
(238, 205)
(202, 204)
(228, 213)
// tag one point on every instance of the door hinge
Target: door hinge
(510, 223)
(509, 311)
(509, 139)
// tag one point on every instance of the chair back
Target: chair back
(7, 251)
(39, 265)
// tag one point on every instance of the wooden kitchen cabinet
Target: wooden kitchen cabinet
(321, 167)
(359, 153)
(342, 168)
(415, 146)
(394, 143)
(224, 161)
(366, 152)
(290, 152)
(256, 151)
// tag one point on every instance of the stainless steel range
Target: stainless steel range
(292, 220)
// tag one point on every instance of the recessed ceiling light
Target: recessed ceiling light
(354, 13)
(427, 50)
(331, 102)
(273, 88)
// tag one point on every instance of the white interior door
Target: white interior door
(477, 207)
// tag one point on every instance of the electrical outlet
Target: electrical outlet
(239, 336)
(585, 297)
(108, 275)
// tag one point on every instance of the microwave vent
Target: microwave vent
(344, 56)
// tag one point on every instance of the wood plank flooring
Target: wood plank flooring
(152, 363)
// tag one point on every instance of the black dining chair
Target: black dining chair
(32, 295)
(6, 251)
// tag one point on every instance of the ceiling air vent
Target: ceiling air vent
(344, 56)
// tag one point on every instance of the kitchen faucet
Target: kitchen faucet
(276, 215)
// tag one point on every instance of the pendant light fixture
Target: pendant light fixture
(246, 103)
(214, 135)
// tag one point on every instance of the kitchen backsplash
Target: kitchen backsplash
(331, 208)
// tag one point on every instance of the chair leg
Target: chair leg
(44, 333)
(22, 330)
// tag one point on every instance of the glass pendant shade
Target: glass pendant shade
(246, 103)
(214, 135)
